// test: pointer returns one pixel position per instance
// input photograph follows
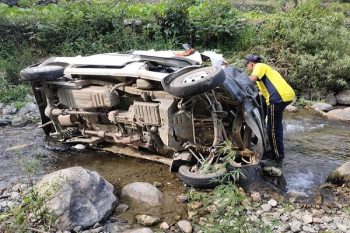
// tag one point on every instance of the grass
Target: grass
(16, 94)
(31, 215)
(229, 213)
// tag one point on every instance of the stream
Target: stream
(314, 147)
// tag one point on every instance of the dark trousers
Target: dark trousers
(275, 128)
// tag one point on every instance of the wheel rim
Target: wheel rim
(195, 77)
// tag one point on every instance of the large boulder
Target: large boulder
(343, 97)
(331, 99)
(339, 114)
(143, 192)
(322, 106)
(77, 197)
(341, 175)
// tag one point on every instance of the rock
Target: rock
(331, 99)
(157, 184)
(116, 227)
(307, 219)
(185, 226)
(322, 107)
(4, 122)
(164, 226)
(181, 198)
(308, 229)
(295, 226)
(266, 207)
(341, 175)
(121, 208)
(272, 202)
(343, 97)
(256, 196)
(285, 218)
(272, 171)
(147, 220)
(317, 213)
(77, 229)
(139, 230)
(97, 230)
(15, 196)
(341, 227)
(29, 108)
(339, 114)
(192, 214)
(79, 147)
(195, 205)
(283, 228)
(9, 110)
(143, 192)
(291, 108)
(19, 121)
(77, 196)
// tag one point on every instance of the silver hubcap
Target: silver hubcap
(195, 77)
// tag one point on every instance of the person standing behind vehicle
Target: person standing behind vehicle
(278, 94)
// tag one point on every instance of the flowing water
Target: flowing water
(314, 147)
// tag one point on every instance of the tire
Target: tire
(168, 79)
(201, 180)
(197, 82)
(42, 73)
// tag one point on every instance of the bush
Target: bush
(310, 45)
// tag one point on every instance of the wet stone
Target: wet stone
(116, 227)
(121, 208)
(295, 226)
(144, 192)
(308, 229)
(272, 202)
(266, 207)
(139, 230)
(342, 227)
(97, 230)
(256, 196)
(164, 226)
(307, 219)
(147, 220)
(181, 198)
(185, 226)
(77, 229)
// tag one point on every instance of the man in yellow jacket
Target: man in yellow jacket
(278, 94)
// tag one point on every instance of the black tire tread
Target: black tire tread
(42, 73)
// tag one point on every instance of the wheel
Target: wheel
(197, 82)
(42, 73)
(197, 180)
(168, 79)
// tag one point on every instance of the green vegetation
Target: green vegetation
(309, 42)
(225, 211)
(31, 215)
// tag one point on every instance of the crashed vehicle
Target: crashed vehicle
(203, 120)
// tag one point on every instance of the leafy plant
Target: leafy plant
(229, 213)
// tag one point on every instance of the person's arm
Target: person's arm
(258, 72)
(253, 78)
